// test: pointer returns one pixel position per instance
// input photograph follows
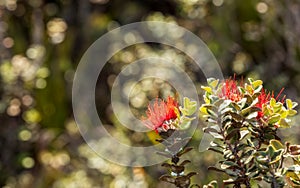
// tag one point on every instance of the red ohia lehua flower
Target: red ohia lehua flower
(230, 91)
(264, 98)
(160, 114)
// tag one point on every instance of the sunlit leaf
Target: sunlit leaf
(283, 123)
(257, 83)
(289, 103)
(274, 118)
(206, 88)
(228, 164)
(212, 82)
(203, 109)
(292, 112)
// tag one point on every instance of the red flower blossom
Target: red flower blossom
(160, 113)
(230, 90)
(264, 98)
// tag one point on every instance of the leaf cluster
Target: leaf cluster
(248, 142)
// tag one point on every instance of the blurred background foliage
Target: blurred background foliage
(42, 41)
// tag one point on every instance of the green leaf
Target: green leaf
(289, 103)
(212, 82)
(272, 102)
(214, 144)
(206, 98)
(190, 105)
(211, 120)
(278, 107)
(241, 90)
(216, 135)
(242, 103)
(216, 149)
(250, 143)
(212, 113)
(249, 159)
(244, 133)
(273, 155)
(209, 129)
(241, 147)
(206, 88)
(235, 106)
(254, 175)
(254, 184)
(232, 133)
(218, 102)
(284, 114)
(269, 136)
(258, 89)
(252, 115)
(264, 167)
(185, 122)
(249, 99)
(230, 181)
(212, 184)
(292, 112)
(294, 168)
(203, 109)
(228, 164)
(262, 160)
(210, 107)
(246, 110)
(274, 118)
(257, 83)
(294, 104)
(276, 156)
(226, 110)
(224, 104)
(276, 144)
(249, 109)
(231, 173)
(228, 154)
(249, 88)
(255, 101)
(267, 179)
(283, 123)
(236, 116)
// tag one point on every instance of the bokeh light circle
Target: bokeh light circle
(160, 68)
(98, 54)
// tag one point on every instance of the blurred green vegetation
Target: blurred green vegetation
(42, 41)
